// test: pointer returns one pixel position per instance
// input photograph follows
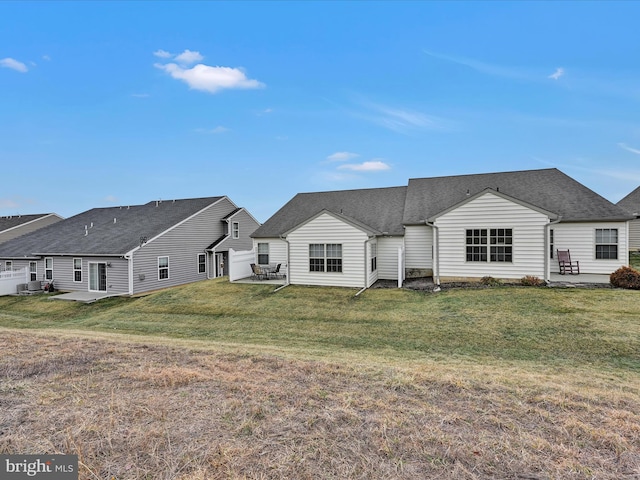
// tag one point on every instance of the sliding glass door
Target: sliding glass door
(97, 277)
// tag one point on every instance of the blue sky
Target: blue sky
(121, 103)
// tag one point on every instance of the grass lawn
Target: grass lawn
(219, 380)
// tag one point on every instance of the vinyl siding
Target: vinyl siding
(419, 244)
(117, 278)
(181, 244)
(277, 251)
(327, 229)
(388, 257)
(373, 275)
(634, 234)
(579, 239)
(247, 226)
(492, 211)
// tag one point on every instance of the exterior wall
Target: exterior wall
(388, 257)
(63, 274)
(28, 227)
(634, 234)
(580, 240)
(327, 229)
(277, 251)
(418, 240)
(182, 245)
(247, 226)
(492, 211)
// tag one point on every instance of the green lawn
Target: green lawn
(598, 327)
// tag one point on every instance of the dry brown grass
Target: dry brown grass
(151, 411)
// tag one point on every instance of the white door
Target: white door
(97, 277)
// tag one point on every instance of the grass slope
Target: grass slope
(222, 381)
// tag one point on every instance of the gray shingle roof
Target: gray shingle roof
(631, 203)
(13, 221)
(104, 235)
(378, 208)
(547, 189)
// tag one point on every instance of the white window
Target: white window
(551, 243)
(263, 254)
(48, 268)
(235, 229)
(489, 245)
(8, 265)
(325, 257)
(202, 265)
(163, 268)
(607, 243)
(77, 269)
(33, 271)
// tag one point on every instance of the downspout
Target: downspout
(547, 259)
(129, 258)
(288, 282)
(436, 252)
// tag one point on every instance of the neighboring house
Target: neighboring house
(15, 225)
(134, 249)
(504, 225)
(631, 203)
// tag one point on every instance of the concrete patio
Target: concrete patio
(255, 281)
(580, 279)
(84, 297)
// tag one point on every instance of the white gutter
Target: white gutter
(436, 252)
(547, 259)
(288, 282)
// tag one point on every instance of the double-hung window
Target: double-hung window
(202, 265)
(263, 254)
(325, 257)
(374, 257)
(235, 230)
(606, 243)
(8, 265)
(489, 245)
(163, 268)
(77, 269)
(48, 268)
(33, 271)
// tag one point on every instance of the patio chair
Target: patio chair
(565, 263)
(257, 272)
(276, 273)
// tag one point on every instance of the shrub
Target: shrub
(531, 281)
(490, 281)
(625, 277)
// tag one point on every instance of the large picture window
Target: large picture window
(325, 257)
(489, 245)
(607, 243)
(163, 268)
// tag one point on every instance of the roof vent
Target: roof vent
(468, 192)
(114, 219)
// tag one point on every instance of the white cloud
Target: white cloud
(342, 156)
(557, 74)
(111, 199)
(8, 203)
(46, 57)
(629, 149)
(162, 54)
(215, 131)
(13, 64)
(482, 67)
(140, 95)
(370, 166)
(188, 57)
(210, 79)
(402, 120)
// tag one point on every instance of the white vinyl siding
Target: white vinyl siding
(419, 244)
(277, 251)
(488, 212)
(388, 257)
(580, 240)
(326, 229)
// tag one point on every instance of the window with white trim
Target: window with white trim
(325, 257)
(48, 268)
(235, 230)
(8, 265)
(163, 268)
(489, 245)
(33, 271)
(263, 254)
(606, 243)
(77, 269)
(551, 243)
(202, 263)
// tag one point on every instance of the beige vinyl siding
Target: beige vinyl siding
(388, 257)
(580, 240)
(418, 240)
(492, 211)
(181, 244)
(327, 229)
(634, 234)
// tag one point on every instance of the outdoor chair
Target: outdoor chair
(565, 263)
(276, 273)
(257, 272)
